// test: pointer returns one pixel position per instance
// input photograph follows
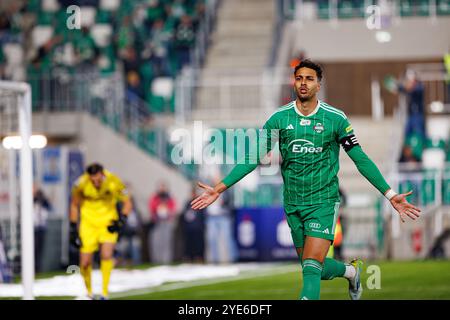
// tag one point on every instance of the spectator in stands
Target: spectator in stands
(178, 9)
(125, 38)
(162, 215)
(41, 208)
(407, 155)
(130, 60)
(193, 226)
(295, 61)
(130, 238)
(86, 51)
(414, 89)
(135, 91)
(155, 11)
(2, 63)
(447, 77)
(220, 246)
(184, 40)
(160, 41)
(5, 27)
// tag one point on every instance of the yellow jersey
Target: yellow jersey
(98, 206)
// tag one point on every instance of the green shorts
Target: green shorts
(317, 221)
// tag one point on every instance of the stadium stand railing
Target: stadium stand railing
(356, 9)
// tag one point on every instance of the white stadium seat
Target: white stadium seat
(50, 5)
(101, 34)
(41, 34)
(13, 53)
(163, 87)
(433, 158)
(109, 5)
(87, 16)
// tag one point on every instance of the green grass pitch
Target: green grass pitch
(398, 280)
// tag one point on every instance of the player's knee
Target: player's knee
(84, 264)
(300, 254)
(312, 267)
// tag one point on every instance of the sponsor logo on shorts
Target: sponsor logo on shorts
(314, 225)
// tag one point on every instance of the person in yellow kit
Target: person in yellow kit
(95, 195)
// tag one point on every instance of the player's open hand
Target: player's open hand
(403, 207)
(206, 198)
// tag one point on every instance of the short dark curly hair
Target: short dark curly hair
(311, 65)
(94, 168)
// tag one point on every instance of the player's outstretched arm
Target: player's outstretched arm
(208, 196)
(403, 207)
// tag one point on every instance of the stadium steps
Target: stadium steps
(374, 137)
(241, 42)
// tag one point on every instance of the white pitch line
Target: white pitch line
(190, 284)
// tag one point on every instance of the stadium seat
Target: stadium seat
(41, 34)
(13, 53)
(405, 8)
(428, 188)
(45, 18)
(323, 9)
(50, 5)
(109, 5)
(103, 16)
(443, 7)
(433, 158)
(423, 8)
(163, 86)
(101, 33)
(87, 16)
(345, 9)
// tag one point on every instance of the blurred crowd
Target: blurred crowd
(145, 39)
(174, 232)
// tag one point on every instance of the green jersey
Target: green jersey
(309, 147)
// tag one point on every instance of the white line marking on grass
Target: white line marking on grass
(183, 285)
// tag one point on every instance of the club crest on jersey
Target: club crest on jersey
(305, 122)
(318, 127)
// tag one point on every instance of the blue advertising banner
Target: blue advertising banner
(263, 235)
(51, 165)
(75, 167)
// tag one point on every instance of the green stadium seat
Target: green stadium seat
(405, 8)
(323, 10)
(428, 188)
(345, 9)
(46, 18)
(446, 187)
(417, 145)
(33, 6)
(103, 16)
(157, 104)
(423, 8)
(443, 7)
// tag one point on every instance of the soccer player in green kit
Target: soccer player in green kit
(310, 133)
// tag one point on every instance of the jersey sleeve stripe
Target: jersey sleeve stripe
(287, 107)
(325, 105)
(343, 116)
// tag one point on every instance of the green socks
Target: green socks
(312, 270)
(332, 269)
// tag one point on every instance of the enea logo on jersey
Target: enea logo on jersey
(318, 127)
(304, 146)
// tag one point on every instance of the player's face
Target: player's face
(306, 84)
(97, 179)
